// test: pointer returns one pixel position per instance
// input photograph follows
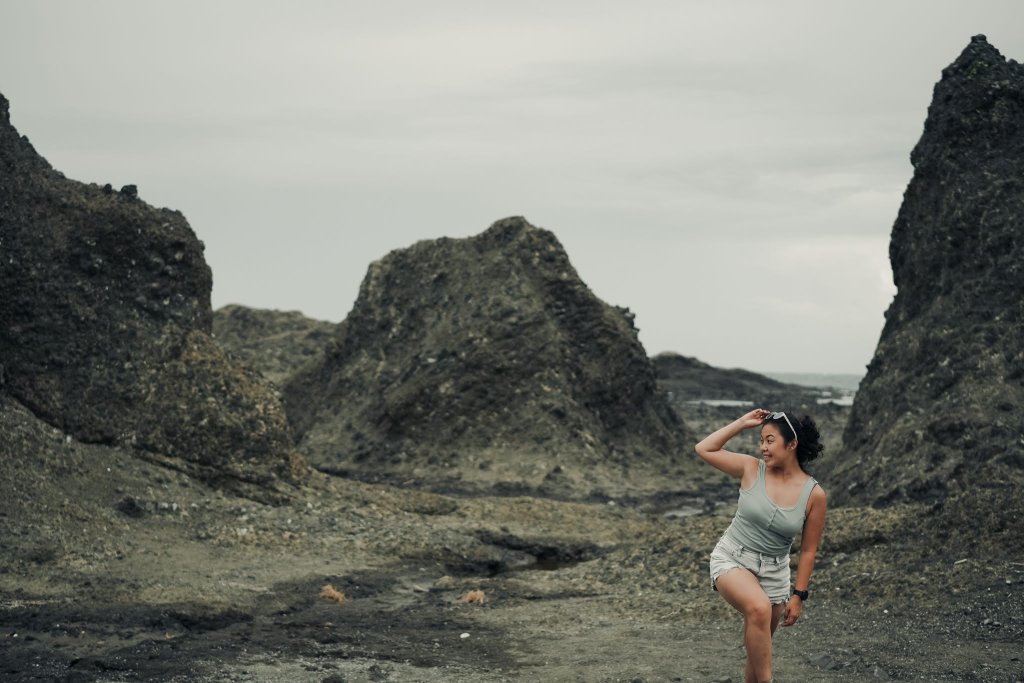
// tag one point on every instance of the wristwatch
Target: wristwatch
(800, 594)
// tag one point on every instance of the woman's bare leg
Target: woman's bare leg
(740, 589)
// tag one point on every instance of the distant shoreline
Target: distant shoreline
(819, 380)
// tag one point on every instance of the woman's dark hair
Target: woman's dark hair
(808, 446)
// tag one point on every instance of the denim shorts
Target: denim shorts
(771, 572)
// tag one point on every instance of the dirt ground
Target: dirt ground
(115, 569)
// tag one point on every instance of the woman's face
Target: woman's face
(772, 444)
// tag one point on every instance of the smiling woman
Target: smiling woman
(778, 499)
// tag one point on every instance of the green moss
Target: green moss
(976, 68)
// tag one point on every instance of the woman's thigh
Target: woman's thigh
(741, 589)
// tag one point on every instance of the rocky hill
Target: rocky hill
(275, 343)
(939, 410)
(488, 352)
(687, 380)
(105, 325)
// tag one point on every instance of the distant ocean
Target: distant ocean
(836, 388)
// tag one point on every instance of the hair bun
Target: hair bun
(808, 446)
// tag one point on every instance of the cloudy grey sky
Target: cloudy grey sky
(728, 170)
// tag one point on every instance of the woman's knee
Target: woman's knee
(758, 612)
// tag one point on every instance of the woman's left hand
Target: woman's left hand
(793, 608)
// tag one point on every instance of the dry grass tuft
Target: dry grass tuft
(328, 592)
(474, 597)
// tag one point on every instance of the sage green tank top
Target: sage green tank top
(762, 526)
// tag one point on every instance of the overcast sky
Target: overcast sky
(730, 171)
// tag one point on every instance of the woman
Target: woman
(750, 564)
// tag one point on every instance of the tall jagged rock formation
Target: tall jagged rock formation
(456, 347)
(939, 410)
(105, 326)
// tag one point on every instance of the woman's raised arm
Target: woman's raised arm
(712, 448)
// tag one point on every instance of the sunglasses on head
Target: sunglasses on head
(776, 416)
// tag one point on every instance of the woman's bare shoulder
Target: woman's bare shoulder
(818, 495)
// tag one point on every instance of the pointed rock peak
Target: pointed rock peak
(979, 45)
(518, 229)
(513, 224)
(977, 59)
(5, 110)
(976, 105)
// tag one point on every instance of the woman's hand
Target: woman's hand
(755, 418)
(793, 609)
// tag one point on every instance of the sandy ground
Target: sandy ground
(114, 569)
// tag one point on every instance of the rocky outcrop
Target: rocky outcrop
(105, 326)
(939, 410)
(275, 343)
(685, 379)
(490, 344)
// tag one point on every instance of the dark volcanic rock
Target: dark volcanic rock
(276, 343)
(491, 342)
(940, 407)
(105, 326)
